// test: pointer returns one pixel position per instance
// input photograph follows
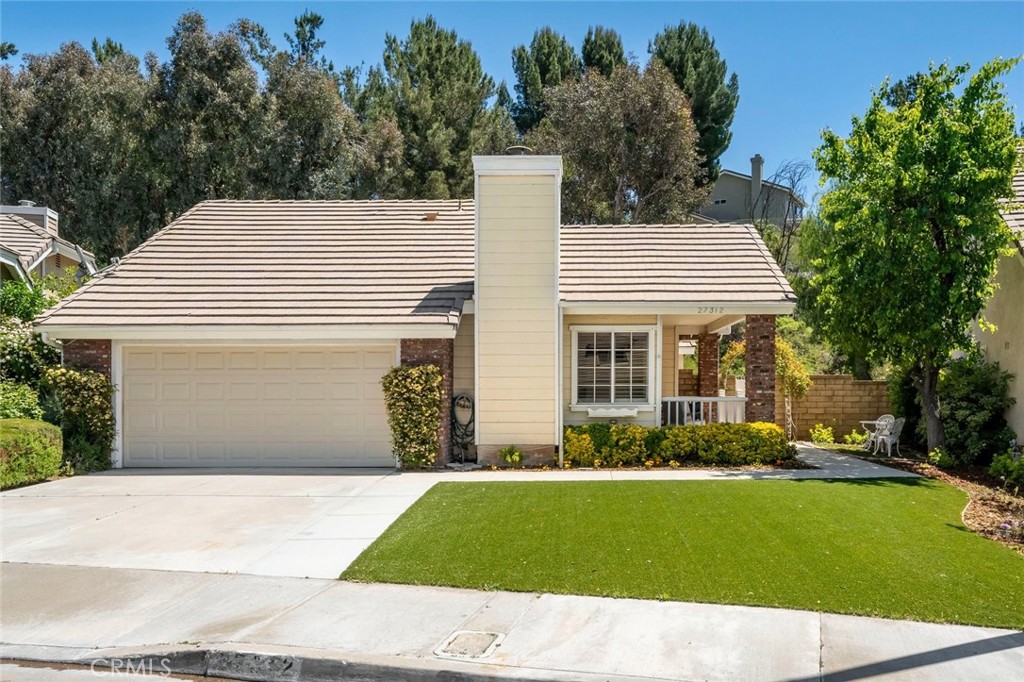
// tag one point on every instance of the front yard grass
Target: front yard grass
(879, 547)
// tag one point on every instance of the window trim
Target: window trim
(650, 330)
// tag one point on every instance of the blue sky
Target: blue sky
(802, 66)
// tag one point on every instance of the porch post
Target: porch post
(760, 361)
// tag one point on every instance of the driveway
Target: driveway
(292, 523)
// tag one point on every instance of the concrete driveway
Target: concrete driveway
(293, 523)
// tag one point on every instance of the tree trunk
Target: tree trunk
(860, 367)
(928, 386)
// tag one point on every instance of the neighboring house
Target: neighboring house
(256, 333)
(1006, 311)
(743, 198)
(30, 245)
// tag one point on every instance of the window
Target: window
(719, 201)
(612, 367)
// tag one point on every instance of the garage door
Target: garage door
(255, 406)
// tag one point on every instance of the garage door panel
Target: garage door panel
(255, 406)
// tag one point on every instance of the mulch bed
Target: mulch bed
(990, 506)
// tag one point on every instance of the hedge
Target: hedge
(30, 451)
(621, 445)
(19, 401)
(412, 396)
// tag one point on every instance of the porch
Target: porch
(664, 369)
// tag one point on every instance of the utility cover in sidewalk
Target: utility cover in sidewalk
(469, 644)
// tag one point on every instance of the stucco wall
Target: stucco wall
(1006, 345)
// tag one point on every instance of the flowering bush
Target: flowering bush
(23, 355)
(708, 444)
(18, 401)
(412, 396)
(83, 402)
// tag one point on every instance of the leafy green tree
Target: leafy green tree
(629, 145)
(548, 61)
(311, 150)
(73, 139)
(917, 232)
(108, 49)
(433, 87)
(689, 52)
(602, 50)
(212, 127)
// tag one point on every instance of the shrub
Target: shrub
(822, 435)
(18, 401)
(974, 396)
(30, 451)
(855, 437)
(83, 404)
(938, 457)
(707, 444)
(1009, 468)
(511, 455)
(578, 447)
(23, 355)
(412, 396)
(789, 369)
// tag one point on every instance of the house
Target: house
(251, 333)
(737, 197)
(1006, 312)
(30, 245)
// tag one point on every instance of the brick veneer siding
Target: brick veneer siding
(836, 400)
(91, 354)
(439, 352)
(760, 362)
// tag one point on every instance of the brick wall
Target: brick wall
(91, 354)
(688, 382)
(439, 352)
(836, 400)
(707, 364)
(760, 362)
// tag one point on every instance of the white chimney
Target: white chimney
(516, 304)
(756, 180)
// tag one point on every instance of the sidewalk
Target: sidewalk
(253, 627)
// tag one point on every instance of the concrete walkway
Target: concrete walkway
(253, 627)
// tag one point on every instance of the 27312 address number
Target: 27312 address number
(709, 310)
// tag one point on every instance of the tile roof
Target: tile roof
(27, 240)
(359, 263)
(23, 238)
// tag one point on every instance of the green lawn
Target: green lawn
(894, 548)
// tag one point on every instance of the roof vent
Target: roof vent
(430, 216)
(26, 203)
(518, 150)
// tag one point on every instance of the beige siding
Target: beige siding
(1007, 344)
(669, 361)
(568, 321)
(516, 314)
(463, 373)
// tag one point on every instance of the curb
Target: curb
(252, 666)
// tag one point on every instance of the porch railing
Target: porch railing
(683, 410)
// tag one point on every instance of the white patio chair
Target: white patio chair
(882, 426)
(891, 438)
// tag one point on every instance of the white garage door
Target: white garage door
(255, 406)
